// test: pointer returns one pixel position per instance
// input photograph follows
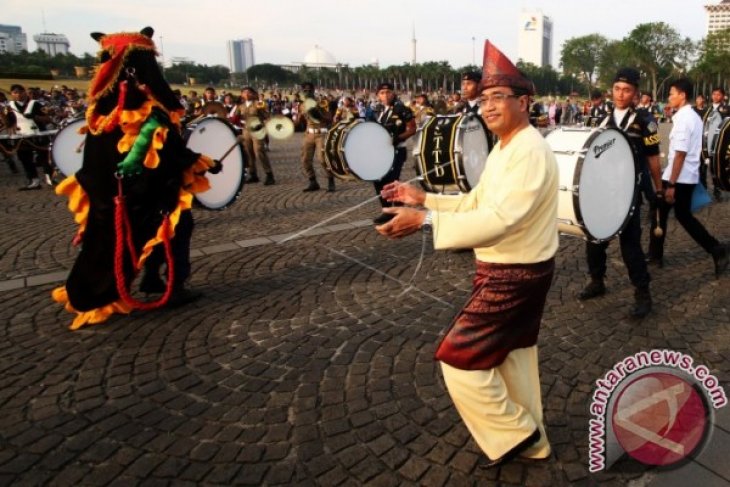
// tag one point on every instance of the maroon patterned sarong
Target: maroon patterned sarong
(503, 314)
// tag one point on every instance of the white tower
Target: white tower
(535, 38)
(413, 45)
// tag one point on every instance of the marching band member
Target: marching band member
(643, 134)
(29, 116)
(318, 121)
(489, 354)
(718, 108)
(254, 114)
(399, 122)
(347, 112)
(422, 110)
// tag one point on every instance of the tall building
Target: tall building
(535, 39)
(240, 55)
(12, 39)
(52, 44)
(718, 16)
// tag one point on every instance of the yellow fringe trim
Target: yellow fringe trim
(78, 202)
(152, 160)
(92, 317)
(194, 180)
(185, 202)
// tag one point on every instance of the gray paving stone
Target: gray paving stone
(12, 284)
(49, 278)
(298, 356)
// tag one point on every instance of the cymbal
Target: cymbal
(280, 127)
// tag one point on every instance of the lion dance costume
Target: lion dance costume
(135, 187)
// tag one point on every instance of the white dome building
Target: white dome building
(319, 57)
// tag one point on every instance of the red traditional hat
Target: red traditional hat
(498, 70)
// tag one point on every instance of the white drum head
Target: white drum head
(213, 137)
(475, 150)
(607, 184)
(67, 149)
(711, 131)
(368, 150)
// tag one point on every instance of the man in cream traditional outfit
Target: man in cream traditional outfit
(489, 354)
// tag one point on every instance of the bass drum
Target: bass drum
(598, 181)
(213, 137)
(331, 153)
(67, 148)
(720, 162)
(451, 152)
(359, 149)
(710, 132)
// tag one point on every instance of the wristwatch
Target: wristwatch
(427, 224)
(670, 184)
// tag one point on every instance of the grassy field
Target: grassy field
(80, 84)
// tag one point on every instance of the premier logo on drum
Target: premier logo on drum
(655, 407)
(600, 149)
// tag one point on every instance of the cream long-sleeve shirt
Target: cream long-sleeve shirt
(510, 216)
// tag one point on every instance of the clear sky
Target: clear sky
(355, 32)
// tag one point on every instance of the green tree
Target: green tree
(658, 51)
(581, 56)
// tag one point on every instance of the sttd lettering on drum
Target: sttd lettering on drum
(451, 152)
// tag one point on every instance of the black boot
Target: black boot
(642, 302)
(330, 185)
(253, 178)
(152, 284)
(594, 289)
(269, 179)
(182, 296)
(313, 185)
(720, 256)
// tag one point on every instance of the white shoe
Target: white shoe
(49, 181)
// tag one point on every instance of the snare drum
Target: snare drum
(213, 137)
(359, 149)
(597, 181)
(451, 152)
(67, 148)
(720, 162)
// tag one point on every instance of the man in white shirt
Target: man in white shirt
(682, 175)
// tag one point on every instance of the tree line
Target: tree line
(587, 63)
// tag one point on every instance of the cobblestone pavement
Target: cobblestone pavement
(309, 362)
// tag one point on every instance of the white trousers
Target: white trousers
(501, 406)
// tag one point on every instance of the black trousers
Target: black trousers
(29, 158)
(400, 158)
(180, 250)
(631, 251)
(682, 210)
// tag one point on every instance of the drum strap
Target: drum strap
(628, 120)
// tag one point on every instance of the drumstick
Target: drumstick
(239, 139)
(81, 146)
(658, 232)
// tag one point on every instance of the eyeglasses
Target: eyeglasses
(497, 98)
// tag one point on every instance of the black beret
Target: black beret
(385, 86)
(471, 76)
(307, 86)
(250, 88)
(628, 75)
